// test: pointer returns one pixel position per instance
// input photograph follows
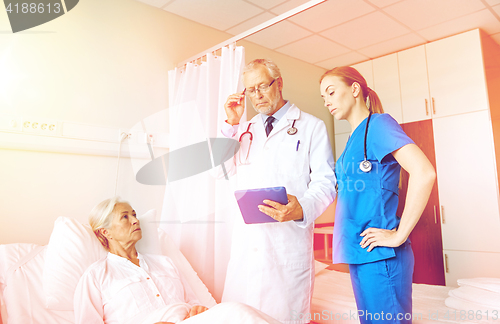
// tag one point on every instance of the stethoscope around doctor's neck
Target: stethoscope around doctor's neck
(291, 131)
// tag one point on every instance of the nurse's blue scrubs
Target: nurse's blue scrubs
(382, 278)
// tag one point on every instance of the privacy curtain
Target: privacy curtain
(198, 210)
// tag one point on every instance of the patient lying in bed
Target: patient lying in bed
(129, 287)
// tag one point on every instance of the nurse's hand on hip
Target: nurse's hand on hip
(374, 237)
(283, 213)
(235, 106)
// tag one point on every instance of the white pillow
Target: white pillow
(169, 249)
(72, 248)
(491, 284)
(484, 298)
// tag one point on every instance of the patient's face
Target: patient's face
(125, 227)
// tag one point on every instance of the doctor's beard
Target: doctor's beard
(272, 106)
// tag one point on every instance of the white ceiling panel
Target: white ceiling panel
(393, 45)
(313, 49)
(252, 22)
(365, 31)
(383, 3)
(331, 13)
(220, 14)
(355, 30)
(420, 14)
(342, 60)
(496, 38)
(493, 2)
(289, 5)
(483, 19)
(155, 3)
(278, 35)
(497, 9)
(266, 4)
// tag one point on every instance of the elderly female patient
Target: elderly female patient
(129, 287)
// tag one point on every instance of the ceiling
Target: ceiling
(342, 32)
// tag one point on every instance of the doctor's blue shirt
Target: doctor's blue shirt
(369, 199)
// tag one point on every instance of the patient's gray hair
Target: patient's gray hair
(273, 69)
(101, 216)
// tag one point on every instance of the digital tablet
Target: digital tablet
(249, 200)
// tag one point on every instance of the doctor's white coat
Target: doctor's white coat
(272, 265)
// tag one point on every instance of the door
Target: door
(386, 83)
(415, 99)
(426, 236)
(466, 172)
(456, 75)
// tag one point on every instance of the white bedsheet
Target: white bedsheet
(25, 299)
(225, 313)
(24, 295)
(333, 302)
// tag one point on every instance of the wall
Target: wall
(103, 63)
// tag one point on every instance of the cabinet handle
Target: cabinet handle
(426, 107)
(433, 106)
(435, 218)
(446, 263)
(442, 214)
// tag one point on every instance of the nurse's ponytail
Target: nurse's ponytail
(350, 75)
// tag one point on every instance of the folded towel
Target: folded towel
(480, 312)
(491, 284)
(484, 298)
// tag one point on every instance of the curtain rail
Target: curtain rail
(254, 30)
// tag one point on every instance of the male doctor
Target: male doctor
(272, 265)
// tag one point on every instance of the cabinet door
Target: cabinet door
(456, 74)
(415, 99)
(466, 174)
(465, 264)
(386, 84)
(425, 238)
(366, 70)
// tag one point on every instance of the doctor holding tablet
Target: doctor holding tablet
(272, 265)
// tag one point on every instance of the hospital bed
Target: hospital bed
(37, 282)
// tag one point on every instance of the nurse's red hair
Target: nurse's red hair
(350, 75)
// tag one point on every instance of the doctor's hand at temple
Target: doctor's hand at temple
(283, 213)
(235, 106)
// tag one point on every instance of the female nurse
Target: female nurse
(367, 234)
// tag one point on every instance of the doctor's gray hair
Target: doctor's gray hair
(273, 69)
(101, 216)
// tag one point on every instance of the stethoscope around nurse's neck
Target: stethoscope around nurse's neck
(366, 165)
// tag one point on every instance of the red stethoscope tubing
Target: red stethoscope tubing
(247, 132)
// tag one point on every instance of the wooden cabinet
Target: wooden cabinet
(466, 173)
(426, 238)
(456, 74)
(386, 85)
(450, 102)
(470, 264)
(415, 98)
(443, 78)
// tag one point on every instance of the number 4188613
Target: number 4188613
(34, 8)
